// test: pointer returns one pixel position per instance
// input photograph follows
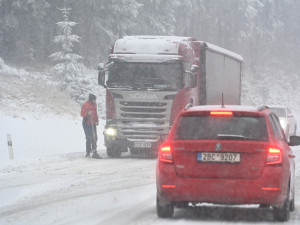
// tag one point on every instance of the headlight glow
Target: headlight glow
(110, 132)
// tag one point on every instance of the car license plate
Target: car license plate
(142, 144)
(225, 157)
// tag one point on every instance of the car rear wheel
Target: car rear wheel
(283, 213)
(181, 205)
(165, 210)
(292, 202)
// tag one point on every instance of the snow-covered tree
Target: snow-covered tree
(68, 65)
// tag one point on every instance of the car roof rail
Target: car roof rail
(189, 105)
(263, 107)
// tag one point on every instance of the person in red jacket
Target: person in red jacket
(89, 122)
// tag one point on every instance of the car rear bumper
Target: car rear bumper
(265, 190)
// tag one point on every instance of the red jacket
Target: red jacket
(86, 107)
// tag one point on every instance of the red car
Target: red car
(226, 155)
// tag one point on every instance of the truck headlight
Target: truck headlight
(110, 132)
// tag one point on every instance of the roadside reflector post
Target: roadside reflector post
(10, 148)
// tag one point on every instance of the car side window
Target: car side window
(277, 130)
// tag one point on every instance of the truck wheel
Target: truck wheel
(164, 210)
(283, 213)
(113, 153)
(133, 151)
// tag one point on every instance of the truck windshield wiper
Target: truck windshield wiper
(120, 87)
(163, 89)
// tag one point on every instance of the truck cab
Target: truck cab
(149, 80)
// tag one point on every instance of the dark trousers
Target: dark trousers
(90, 131)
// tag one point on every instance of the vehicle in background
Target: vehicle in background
(226, 155)
(150, 79)
(286, 118)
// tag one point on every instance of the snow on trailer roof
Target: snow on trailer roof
(149, 44)
(224, 51)
(167, 45)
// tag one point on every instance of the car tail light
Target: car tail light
(274, 156)
(165, 154)
(220, 113)
(168, 186)
(271, 189)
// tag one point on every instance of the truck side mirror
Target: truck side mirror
(101, 66)
(194, 68)
(101, 74)
(101, 78)
(190, 79)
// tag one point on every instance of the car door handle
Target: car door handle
(292, 156)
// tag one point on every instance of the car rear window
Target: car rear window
(206, 127)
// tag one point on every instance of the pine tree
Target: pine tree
(68, 65)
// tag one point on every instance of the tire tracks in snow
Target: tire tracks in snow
(92, 180)
(10, 210)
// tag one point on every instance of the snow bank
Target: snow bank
(41, 119)
(34, 138)
(10, 70)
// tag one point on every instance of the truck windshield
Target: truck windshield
(158, 76)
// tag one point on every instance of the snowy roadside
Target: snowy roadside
(41, 118)
(32, 138)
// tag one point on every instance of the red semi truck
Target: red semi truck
(150, 79)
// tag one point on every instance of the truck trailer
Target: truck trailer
(150, 79)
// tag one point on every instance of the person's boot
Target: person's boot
(87, 155)
(96, 156)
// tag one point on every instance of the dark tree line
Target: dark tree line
(263, 31)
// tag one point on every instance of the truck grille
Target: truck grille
(142, 116)
(147, 104)
(143, 120)
(143, 110)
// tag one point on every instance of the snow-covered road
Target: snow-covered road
(69, 189)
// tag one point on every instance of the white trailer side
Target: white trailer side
(221, 74)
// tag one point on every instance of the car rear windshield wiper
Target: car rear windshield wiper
(231, 137)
